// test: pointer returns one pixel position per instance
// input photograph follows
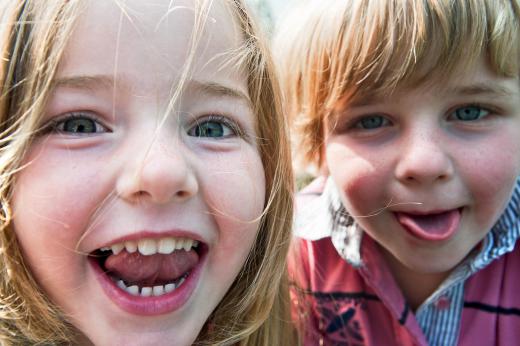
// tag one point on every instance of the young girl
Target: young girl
(146, 188)
(412, 110)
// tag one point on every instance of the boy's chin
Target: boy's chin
(430, 263)
(442, 268)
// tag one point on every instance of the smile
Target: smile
(151, 275)
(149, 247)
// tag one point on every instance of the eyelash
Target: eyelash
(54, 124)
(222, 119)
(356, 123)
(489, 111)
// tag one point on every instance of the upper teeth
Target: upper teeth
(150, 246)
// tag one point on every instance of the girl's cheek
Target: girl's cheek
(54, 188)
(234, 190)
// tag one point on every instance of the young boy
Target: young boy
(412, 108)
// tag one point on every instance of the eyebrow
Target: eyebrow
(219, 90)
(95, 81)
(84, 82)
(478, 89)
(482, 89)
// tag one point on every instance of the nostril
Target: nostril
(140, 196)
(182, 194)
(416, 178)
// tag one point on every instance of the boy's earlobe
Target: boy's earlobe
(324, 169)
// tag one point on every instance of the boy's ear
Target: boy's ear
(323, 168)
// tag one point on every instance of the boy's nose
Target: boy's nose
(158, 173)
(423, 159)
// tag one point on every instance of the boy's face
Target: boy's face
(112, 173)
(428, 171)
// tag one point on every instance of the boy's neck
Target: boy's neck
(416, 287)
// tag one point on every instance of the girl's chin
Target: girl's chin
(137, 320)
(141, 333)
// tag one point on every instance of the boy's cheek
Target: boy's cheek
(491, 194)
(490, 175)
(361, 182)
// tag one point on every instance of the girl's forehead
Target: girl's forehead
(155, 37)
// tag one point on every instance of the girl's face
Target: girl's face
(428, 171)
(136, 224)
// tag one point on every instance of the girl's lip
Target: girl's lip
(442, 224)
(149, 306)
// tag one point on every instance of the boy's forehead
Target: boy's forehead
(475, 80)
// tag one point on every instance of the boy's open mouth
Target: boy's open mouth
(149, 267)
(434, 226)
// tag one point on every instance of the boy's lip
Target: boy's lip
(434, 225)
(153, 305)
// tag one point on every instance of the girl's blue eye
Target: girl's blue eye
(371, 122)
(470, 113)
(211, 128)
(78, 125)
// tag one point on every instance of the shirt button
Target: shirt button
(443, 303)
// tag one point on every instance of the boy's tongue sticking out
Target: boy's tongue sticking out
(135, 268)
(438, 226)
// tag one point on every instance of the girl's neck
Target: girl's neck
(416, 286)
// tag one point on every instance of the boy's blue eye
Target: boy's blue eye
(371, 122)
(211, 128)
(470, 113)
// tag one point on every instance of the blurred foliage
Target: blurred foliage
(303, 179)
(263, 9)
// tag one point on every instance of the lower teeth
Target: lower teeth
(155, 291)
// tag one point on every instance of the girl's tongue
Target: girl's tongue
(438, 226)
(135, 268)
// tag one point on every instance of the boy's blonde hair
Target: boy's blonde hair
(336, 52)
(254, 311)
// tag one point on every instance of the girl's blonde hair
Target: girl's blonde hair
(335, 52)
(255, 310)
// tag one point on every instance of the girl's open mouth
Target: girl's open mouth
(151, 275)
(432, 227)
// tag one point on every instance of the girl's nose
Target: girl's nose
(158, 173)
(423, 159)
